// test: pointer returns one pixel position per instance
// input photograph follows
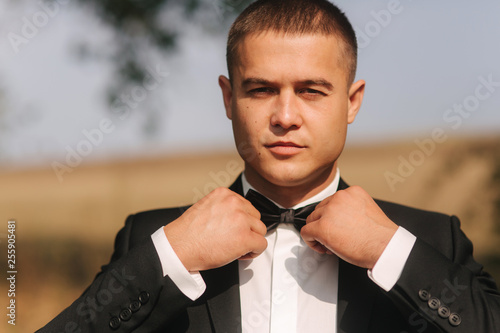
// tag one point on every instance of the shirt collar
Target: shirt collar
(328, 191)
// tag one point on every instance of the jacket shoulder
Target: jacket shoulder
(162, 216)
(398, 212)
(434, 228)
(143, 224)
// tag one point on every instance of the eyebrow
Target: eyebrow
(255, 80)
(318, 82)
(310, 82)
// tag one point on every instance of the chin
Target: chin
(289, 175)
(285, 178)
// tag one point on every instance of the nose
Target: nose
(286, 113)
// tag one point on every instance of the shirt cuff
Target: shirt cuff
(190, 284)
(391, 263)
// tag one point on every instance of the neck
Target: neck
(293, 194)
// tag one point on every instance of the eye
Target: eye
(260, 92)
(311, 94)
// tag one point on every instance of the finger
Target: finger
(251, 210)
(258, 226)
(249, 256)
(321, 249)
(256, 244)
(313, 243)
(315, 215)
(317, 247)
(227, 193)
(317, 212)
(246, 206)
(308, 234)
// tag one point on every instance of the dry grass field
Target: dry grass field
(65, 230)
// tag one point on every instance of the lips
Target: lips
(283, 148)
(285, 144)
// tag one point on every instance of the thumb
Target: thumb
(310, 235)
(256, 245)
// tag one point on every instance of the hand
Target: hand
(220, 228)
(351, 225)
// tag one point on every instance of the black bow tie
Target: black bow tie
(272, 215)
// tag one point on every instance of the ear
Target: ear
(227, 94)
(356, 93)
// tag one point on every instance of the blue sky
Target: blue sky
(423, 61)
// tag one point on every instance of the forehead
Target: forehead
(271, 53)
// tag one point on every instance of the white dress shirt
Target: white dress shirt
(289, 287)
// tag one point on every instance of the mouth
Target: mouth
(283, 148)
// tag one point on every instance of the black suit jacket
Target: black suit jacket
(131, 295)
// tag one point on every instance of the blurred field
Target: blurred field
(65, 230)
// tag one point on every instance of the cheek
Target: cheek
(246, 137)
(248, 124)
(330, 135)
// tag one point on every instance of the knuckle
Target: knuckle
(258, 244)
(220, 191)
(232, 199)
(340, 195)
(356, 189)
(321, 224)
(227, 197)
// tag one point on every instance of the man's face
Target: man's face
(290, 104)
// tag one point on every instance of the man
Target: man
(358, 265)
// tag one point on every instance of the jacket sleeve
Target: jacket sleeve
(124, 293)
(445, 287)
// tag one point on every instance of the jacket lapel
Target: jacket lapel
(342, 185)
(356, 295)
(223, 298)
(223, 291)
(237, 186)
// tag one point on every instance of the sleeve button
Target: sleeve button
(424, 295)
(135, 306)
(125, 314)
(434, 303)
(144, 297)
(114, 323)
(444, 312)
(454, 319)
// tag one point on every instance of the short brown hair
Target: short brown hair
(295, 17)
